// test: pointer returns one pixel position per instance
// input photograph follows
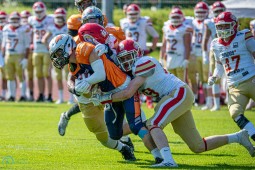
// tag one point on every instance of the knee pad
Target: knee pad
(198, 147)
(142, 133)
(235, 110)
(242, 121)
(135, 128)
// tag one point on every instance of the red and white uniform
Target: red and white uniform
(56, 30)
(40, 27)
(138, 31)
(175, 45)
(14, 40)
(252, 24)
(236, 59)
(198, 31)
(159, 82)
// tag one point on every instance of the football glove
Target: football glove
(23, 63)
(98, 99)
(101, 49)
(211, 80)
(81, 86)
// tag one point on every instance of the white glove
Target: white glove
(98, 99)
(211, 80)
(101, 49)
(23, 63)
(185, 63)
(81, 86)
(1, 60)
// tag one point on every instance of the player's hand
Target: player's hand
(211, 80)
(185, 63)
(23, 63)
(81, 86)
(101, 49)
(98, 99)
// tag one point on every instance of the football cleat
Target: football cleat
(22, 99)
(165, 164)
(59, 101)
(215, 108)
(206, 107)
(129, 143)
(127, 153)
(243, 139)
(11, 99)
(49, 100)
(40, 98)
(62, 124)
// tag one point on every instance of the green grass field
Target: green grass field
(29, 140)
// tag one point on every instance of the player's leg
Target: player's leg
(193, 78)
(21, 76)
(30, 74)
(4, 83)
(59, 75)
(207, 88)
(38, 66)
(47, 74)
(10, 75)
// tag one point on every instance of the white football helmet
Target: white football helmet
(133, 12)
(201, 11)
(60, 49)
(176, 17)
(39, 10)
(24, 17)
(3, 18)
(83, 4)
(60, 16)
(14, 19)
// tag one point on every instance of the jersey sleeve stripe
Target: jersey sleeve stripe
(144, 69)
(248, 35)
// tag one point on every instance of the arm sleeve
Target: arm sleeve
(99, 72)
(219, 70)
(250, 44)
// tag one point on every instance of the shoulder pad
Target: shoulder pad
(74, 22)
(83, 51)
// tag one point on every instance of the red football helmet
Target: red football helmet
(3, 18)
(24, 17)
(14, 19)
(39, 10)
(226, 24)
(60, 16)
(127, 53)
(217, 8)
(201, 11)
(93, 33)
(176, 17)
(83, 4)
(133, 12)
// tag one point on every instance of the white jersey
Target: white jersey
(1, 36)
(237, 61)
(175, 48)
(56, 30)
(159, 82)
(211, 26)
(138, 31)
(198, 32)
(14, 40)
(40, 28)
(188, 21)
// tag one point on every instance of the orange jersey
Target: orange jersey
(114, 76)
(116, 32)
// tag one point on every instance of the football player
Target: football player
(41, 62)
(137, 28)
(30, 73)
(3, 22)
(197, 64)
(234, 53)
(176, 44)
(174, 106)
(210, 34)
(15, 48)
(59, 27)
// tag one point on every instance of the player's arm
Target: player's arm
(46, 37)
(218, 71)
(162, 58)
(250, 43)
(3, 45)
(155, 36)
(252, 29)
(205, 40)
(98, 68)
(187, 42)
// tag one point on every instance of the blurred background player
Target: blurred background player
(137, 28)
(176, 44)
(15, 47)
(59, 27)
(197, 63)
(41, 61)
(234, 52)
(3, 22)
(24, 15)
(209, 35)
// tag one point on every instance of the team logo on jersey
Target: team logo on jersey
(235, 45)
(103, 32)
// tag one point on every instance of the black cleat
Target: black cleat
(40, 98)
(22, 99)
(253, 137)
(129, 143)
(127, 153)
(158, 160)
(11, 99)
(49, 100)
